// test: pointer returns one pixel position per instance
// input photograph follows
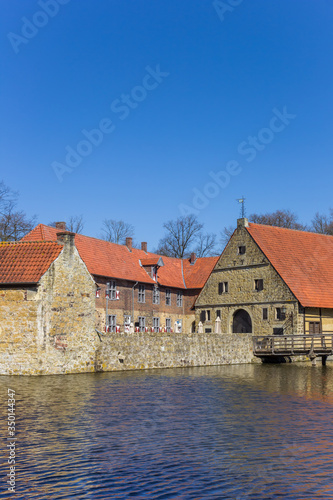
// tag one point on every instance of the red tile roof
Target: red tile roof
(303, 260)
(103, 258)
(26, 262)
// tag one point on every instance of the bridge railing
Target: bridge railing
(270, 345)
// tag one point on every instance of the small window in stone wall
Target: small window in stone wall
(208, 315)
(223, 287)
(265, 313)
(203, 316)
(258, 285)
(218, 313)
(241, 250)
(281, 313)
(277, 331)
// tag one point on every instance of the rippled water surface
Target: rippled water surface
(228, 432)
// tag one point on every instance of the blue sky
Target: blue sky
(224, 71)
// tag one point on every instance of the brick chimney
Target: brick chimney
(61, 226)
(144, 246)
(193, 258)
(129, 243)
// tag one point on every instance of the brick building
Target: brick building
(135, 286)
(47, 308)
(270, 280)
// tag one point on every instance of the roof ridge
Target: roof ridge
(289, 229)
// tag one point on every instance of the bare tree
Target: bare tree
(185, 235)
(14, 224)
(75, 224)
(322, 223)
(206, 245)
(116, 231)
(226, 234)
(279, 218)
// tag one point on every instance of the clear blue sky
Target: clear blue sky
(223, 75)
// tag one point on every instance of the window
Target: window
(156, 324)
(223, 287)
(258, 285)
(241, 250)
(314, 327)
(280, 313)
(142, 323)
(179, 299)
(111, 290)
(264, 313)
(277, 331)
(208, 315)
(168, 297)
(141, 294)
(112, 323)
(168, 324)
(218, 313)
(203, 316)
(156, 295)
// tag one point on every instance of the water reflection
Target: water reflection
(233, 432)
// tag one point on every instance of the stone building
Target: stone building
(270, 280)
(154, 293)
(47, 308)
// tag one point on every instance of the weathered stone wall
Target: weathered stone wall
(150, 350)
(50, 329)
(241, 271)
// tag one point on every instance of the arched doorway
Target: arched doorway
(241, 322)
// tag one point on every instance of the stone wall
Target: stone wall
(149, 350)
(240, 272)
(50, 329)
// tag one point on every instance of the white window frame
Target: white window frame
(142, 323)
(112, 323)
(168, 297)
(112, 290)
(156, 324)
(141, 294)
(156, 295)
(179, 298)
(168, 325)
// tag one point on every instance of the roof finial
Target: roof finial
(242, 202)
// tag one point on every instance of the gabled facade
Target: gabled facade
(135, 286)
(47, 308)
(270, 280)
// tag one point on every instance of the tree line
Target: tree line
(182, 236)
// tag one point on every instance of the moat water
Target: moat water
(228, 432)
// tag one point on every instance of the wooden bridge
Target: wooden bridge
(270, 346)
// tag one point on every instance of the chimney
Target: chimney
(67, 239)
(193, 258)
(129, 242)
(61, 226)
(244, 222)
(144, 246)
